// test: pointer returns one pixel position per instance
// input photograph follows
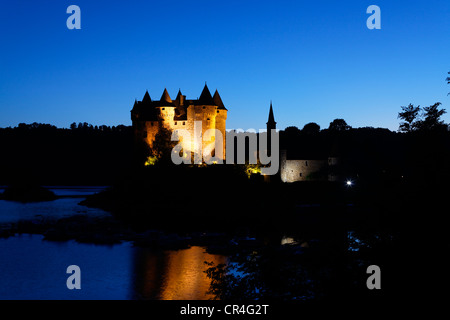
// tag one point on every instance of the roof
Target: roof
(178, 95)
(146, 97)
(165, 97)
(205, 97)
(218, 100)
(147, 109)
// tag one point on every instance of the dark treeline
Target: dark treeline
(375, 153)
(47, 155)
(87, 154)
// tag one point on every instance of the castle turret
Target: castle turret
(180, 98)
(166, 109)
(146, 97)
(221, 118)
(165, 97)
(205, 97)
(218, 101)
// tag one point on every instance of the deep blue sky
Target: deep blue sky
(316, 60)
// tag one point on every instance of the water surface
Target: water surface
(33, 268)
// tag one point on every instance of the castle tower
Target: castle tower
(166, 110)
(221, 118)
(148, 116)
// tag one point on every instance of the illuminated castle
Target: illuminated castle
(148, 116)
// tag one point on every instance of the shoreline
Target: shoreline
(108, 231)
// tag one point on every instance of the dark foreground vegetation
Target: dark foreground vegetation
(396, 223)
(47, 155)
(394, 215)
(27, 192)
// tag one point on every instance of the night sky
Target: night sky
(316, 60)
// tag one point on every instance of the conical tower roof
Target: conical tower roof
(165, 97)
(218, 100)
(146, 97)
(205, 97)
(135, 106)
(179, 94)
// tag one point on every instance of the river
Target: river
(33, 268)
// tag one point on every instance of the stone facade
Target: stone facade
(307, 170)
(149, 116)
(298, 170)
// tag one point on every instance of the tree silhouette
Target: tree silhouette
(432, 117)
(292, 130)
(311, 128)
(339, 125)
(409, 115)
(162, 145)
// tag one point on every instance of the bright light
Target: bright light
(151, 160)
(349, 183)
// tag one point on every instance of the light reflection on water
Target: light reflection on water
(174, 275)
(31, 268)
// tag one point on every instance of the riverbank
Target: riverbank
(107, 230)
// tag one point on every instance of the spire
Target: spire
(134, 105)
(146, 97)
(205, 97)
(218, 100)
(271, 124)
(180, 98)
(165, 97)
(178, 95)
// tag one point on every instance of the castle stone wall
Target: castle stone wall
(299, 170)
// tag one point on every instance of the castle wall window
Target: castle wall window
(164, 108)
(184, 123)
(301, 174)
(175, 123)
(306, 163)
